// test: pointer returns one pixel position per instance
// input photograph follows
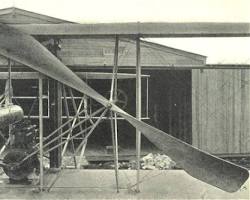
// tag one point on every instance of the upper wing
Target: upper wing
(147, 29)
(201, 165)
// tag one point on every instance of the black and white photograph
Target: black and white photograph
(124, 99)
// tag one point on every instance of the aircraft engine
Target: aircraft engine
(22, 144)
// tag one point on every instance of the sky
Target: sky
(217, 50)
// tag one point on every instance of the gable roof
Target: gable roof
(99, 52)
(15, 15)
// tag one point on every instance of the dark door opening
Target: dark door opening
(170, 102)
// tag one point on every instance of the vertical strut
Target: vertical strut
(113, 97)
(9, 99)
(115, 147)
(138, 110)
(59, 121)
(41, 129)
(113, 91)
(66, 106)
(85, 104)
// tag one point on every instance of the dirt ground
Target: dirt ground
(100, 184)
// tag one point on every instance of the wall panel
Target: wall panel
(221, 110)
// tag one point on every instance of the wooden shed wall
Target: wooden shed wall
(221, 110)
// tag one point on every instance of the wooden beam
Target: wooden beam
(100, 75)
(84, 75)
(193, 29)
(21, 75)
(189, 67)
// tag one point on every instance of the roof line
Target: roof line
(10, 10)
(172, 48)
(165, 48)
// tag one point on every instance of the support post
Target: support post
(55, 95)
(113, 97)
(138, 110)
(9, 98)
(55, 92)
(40, 88)
(59, 121)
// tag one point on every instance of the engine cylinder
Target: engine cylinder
(10, 114)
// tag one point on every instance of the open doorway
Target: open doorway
(170, 102)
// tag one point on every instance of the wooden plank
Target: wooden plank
(247, 133)
(231, 112)
(237, 94)
(195, 108)
(143, 29)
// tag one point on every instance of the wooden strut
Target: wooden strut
(85, 139)
(8, 101)
(113, 116)
(79, 123)
(65, 140)
(138, 110)
(92, 128)
(71, 128)
(74, 105)
(41, 130)
(9, 83)
(48, 143)
(59, 121)
(83, 143)
(60, 128)
(66, 106)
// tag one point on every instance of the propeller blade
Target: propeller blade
(201, 165)
(25, 49)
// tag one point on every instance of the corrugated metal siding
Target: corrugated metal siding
(221, 110)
